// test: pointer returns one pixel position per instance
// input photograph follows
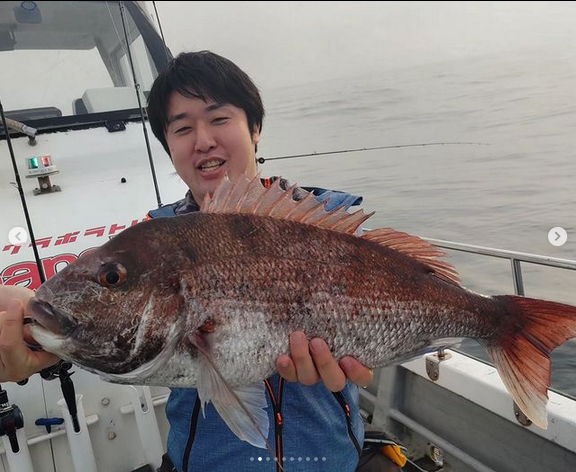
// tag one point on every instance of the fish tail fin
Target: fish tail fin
(522, 356)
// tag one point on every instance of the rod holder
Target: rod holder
(147, 425)
(80, 445)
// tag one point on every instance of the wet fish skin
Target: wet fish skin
(118, 327)
(210, 299)
(364, 300)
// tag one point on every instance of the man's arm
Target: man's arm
(310, 362)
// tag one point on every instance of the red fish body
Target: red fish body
(208, 300)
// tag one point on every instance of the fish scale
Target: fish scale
(269, 279)
(209, 300)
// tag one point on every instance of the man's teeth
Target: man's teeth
(211, 164)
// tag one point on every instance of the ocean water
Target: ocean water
(506, 192)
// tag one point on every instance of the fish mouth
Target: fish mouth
(50, 318)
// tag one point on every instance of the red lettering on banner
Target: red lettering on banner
(115, 228)
(43, 243)
(97, 231)
(72, 237)
(15, 249)
(26, 273)
(67, 238)
(23, 273)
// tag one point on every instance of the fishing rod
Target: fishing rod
(11, 418)
(59, 370)
(140, 107)
(261, 160)
(166, 50)
(21, 192)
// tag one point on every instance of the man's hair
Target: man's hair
(203, 75)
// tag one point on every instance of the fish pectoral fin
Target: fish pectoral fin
(242, 408)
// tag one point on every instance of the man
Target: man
(208, 115)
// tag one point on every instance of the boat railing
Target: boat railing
(515, 258)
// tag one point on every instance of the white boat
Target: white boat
(88, 168)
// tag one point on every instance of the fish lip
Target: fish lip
(50, 318)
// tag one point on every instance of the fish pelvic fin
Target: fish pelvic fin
(416, 248)
(249, 196)
(523, 358)
(243, 408)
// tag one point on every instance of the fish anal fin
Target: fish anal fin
(522, 357)
(416, 248)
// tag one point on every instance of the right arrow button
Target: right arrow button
(557, 236)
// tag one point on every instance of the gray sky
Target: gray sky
(284, 43)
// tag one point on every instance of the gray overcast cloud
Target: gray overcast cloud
(285, 43)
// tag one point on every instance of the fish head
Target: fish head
(116, 310)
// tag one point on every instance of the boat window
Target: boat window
(67, 59)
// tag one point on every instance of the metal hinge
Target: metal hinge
(433, 363)
(521, 417)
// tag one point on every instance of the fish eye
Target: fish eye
(112, 275)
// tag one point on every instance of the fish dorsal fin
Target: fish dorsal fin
(416, 248)
(251, 197)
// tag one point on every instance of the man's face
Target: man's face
(207, 140)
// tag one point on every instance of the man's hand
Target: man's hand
(310, 362)
(18, 361)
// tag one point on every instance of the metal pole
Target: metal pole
(137, 87)
(22, 197)
(517, 276)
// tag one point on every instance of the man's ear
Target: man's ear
(256, 135)
(256, 138)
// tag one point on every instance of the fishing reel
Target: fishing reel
(61, 370)
(50, 373)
